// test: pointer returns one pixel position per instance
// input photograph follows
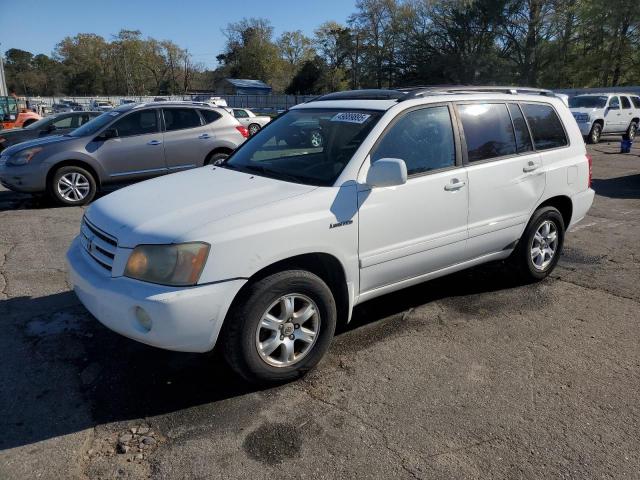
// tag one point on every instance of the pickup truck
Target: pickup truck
(600, 114)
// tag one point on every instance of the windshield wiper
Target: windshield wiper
(274, 174)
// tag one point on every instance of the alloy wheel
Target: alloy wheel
(73, 186)
(544, 245)
(288, 330)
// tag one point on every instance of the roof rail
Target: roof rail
(370, 94)
(413, 92)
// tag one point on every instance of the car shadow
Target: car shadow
(120, 380)
(619, 187)
(10, 200)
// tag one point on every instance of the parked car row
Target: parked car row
(129, 143)
(600, 114)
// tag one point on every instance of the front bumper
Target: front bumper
(23, 178)
(183, 319)
(585, 128)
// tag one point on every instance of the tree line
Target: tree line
(384, 43)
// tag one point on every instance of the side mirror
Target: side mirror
(387, 172)
(108, 134)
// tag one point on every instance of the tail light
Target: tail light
(590, 160)
(243, 130)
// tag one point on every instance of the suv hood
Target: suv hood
(164, 209)
(38, 142)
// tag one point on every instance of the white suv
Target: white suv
(266, 252)
(600, 114)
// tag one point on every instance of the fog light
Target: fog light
(143, 319)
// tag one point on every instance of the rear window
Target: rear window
(546, 127)
(210, 116)
(625, 102)
(487, 130)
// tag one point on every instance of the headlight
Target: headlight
(23, 157)
(177, 265)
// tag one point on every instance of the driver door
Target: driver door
(421, 226)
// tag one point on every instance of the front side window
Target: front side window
(546, 127)
(422, 138)
(65, 122)
(181, 118)
(636, 101)
(137, 123)
(487, 130)
(523, 139)
(614, 103)
(625, 102)
(310, 146)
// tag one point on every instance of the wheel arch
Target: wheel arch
(564, 206)
(73, 163)
(324, 265)
(225, 150)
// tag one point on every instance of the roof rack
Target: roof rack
(413, 92)
(370, 94)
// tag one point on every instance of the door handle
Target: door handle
(531, 167)
(454, 185)
(204, 136)
(154, 142)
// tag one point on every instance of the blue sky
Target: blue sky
(37, 26)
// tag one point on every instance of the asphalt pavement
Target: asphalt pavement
(468, 376)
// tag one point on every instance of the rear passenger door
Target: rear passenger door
(506, 179)
(627, 112)
(613, 116)
(187, 138)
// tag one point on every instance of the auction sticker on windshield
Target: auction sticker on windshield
(350, 117)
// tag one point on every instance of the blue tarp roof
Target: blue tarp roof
(245, 83)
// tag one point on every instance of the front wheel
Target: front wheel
(72, 186)
(540, 246)
(280, 328)
(595, 134)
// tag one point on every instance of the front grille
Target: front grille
(100, 246)
(580, 117)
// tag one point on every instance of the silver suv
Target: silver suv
(130, 143)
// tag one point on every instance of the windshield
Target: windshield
(93, 126)
(310, 146)
(587, 102)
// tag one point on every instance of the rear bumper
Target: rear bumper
(581, 204)
(183, 319)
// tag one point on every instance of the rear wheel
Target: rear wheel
(595, 133)
(539, 249)
(253, 129)
(631, 131)
(216, 158)
(72, 186)
(280, 328)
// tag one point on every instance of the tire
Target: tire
(253, 129)
(246, 341)
(631, 131)
(594, 134)
(530, 267)
(216, 158)
(83, 192)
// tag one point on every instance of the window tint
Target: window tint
(625, 102)
(523, 139)
(487, 130)
(636, 101)
(210, 116)
(240, 113)
(179, 118)
(614, 102)
(137, 123)
(422, 138)
(63, 122)
(546, 128)
(84, 118)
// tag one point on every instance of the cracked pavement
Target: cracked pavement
(468, 376)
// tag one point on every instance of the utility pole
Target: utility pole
(3, 80)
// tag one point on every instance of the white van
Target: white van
(338, 201)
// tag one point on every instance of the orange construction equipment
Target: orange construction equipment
(14, 113)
